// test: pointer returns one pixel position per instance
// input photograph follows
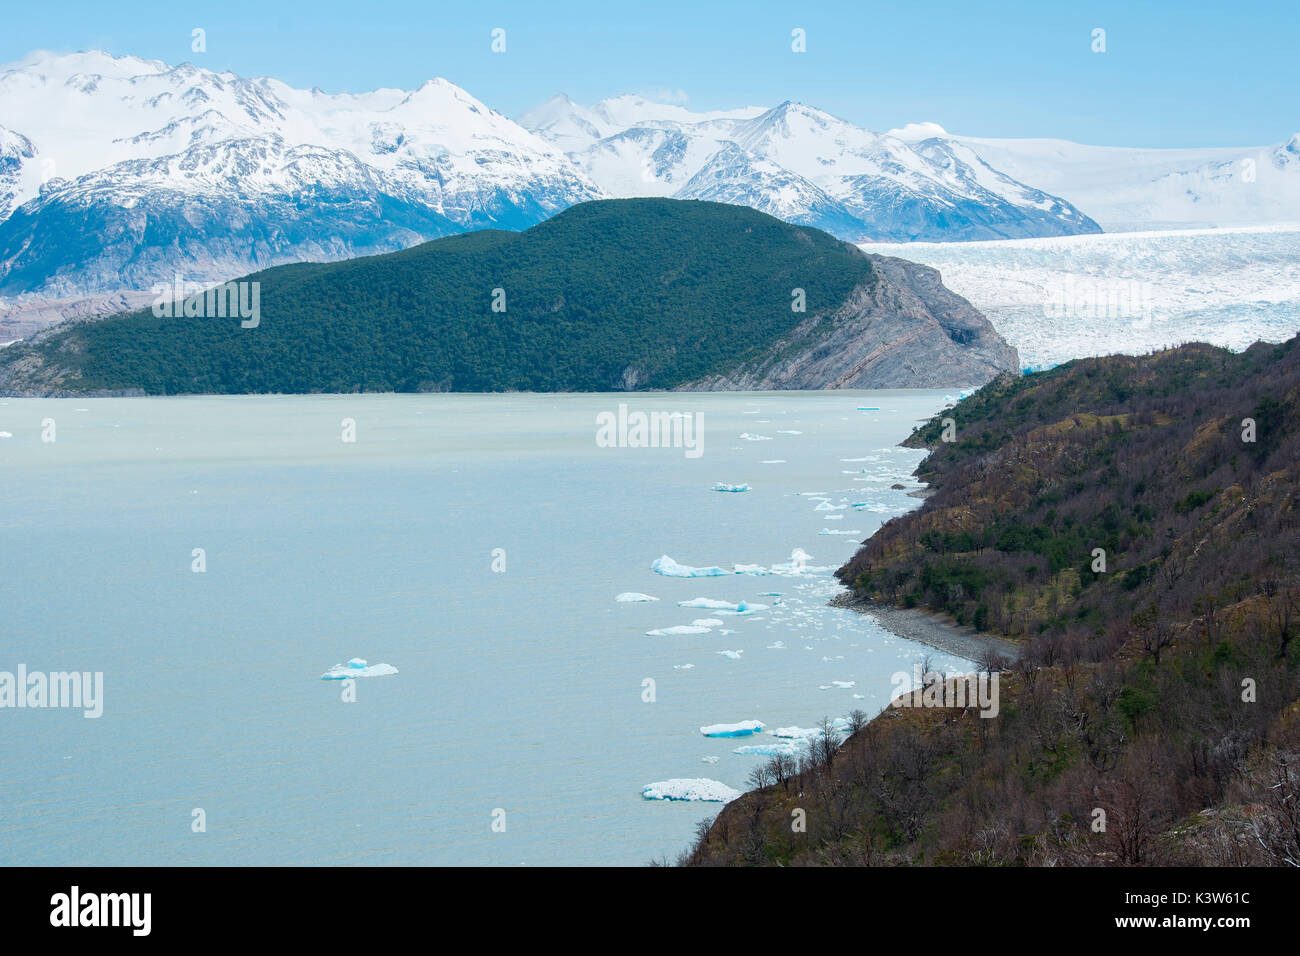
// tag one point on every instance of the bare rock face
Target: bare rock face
(904, 330)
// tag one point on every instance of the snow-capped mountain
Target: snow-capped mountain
(116, 172)
(1127, 189)
(803, 165)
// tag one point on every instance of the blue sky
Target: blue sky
(1184, 74)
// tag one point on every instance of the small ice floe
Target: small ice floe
(690, 789)
(735, 489)
(769, 750)
(749, 569)
(827, 506)
(357, 667)
(678, 629)
(744, 728)
(634, 597)
(776, 646)
(6, 435)
(868, 408)
(682, 667)
(709, 759)
(805, 733)
(842, 684)
(706, 622)
(731, 655)
(750, 436)
(723, 607)
(837, 531)
(671, 569)
(773, 461)
(787, 431)
(832, 517)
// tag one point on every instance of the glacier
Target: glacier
(1073, 297)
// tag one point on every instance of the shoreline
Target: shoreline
(930, 628)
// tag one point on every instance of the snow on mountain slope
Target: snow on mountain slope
(1063, 298)
(182, 169)
(802, 164)
(1127, 189)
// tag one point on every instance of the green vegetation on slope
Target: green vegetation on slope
(1162, 690)
(615, 294)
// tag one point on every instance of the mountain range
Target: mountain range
(116, 173)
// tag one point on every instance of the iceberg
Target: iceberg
(706, 622)
(720, 486)
(678, 629)
(634, 597)
(748, 436)
(732, 655)
(357, 667)
(770, 750)
(722, 607)
(699, 788)
(743, 729)
(671, 569)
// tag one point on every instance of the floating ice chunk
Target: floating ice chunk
(770, 750)
(709, 759)
(804, 733)
(833, 518)
(723, 607)
(827, 506)
(682, 667)
(678, 629)
(749, 569)
(743, 729)
(6, 434)
(773, 461)
(842, 684)
(357, 667)
(669, 568)
(749, 436)
(706, 622)
(634, 597)
(777, 646)
(837, 531)
(680, 788)
(798, 733)
(733, 655)
(720, 486)
(787, 431)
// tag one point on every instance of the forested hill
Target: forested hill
(1132, 521)
(637, 293)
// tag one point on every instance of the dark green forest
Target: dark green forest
(635, 293)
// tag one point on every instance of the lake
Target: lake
(474, 542)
